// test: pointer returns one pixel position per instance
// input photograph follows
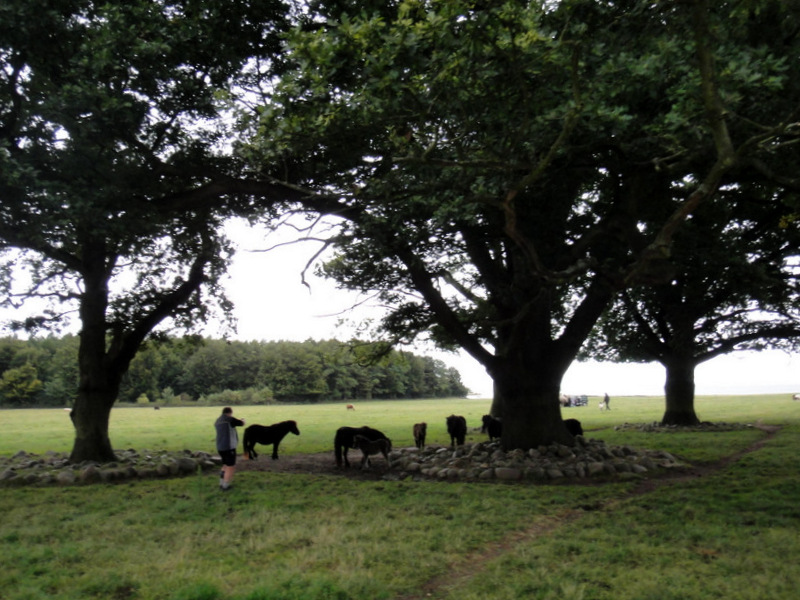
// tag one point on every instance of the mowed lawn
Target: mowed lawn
(732, 533)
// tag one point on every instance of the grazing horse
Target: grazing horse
(420, 430)
(457, 428)
(492, 426)
(371, 447)
(267, 434)
(350, 407)
(573, 426)
(345, 439)
(796, 397)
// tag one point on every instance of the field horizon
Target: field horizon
(179, 427)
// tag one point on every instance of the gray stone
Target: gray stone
(595, 468)
(90, 474)
(65, 477)
(187, 466)
(508, 474)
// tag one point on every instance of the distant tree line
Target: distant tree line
(44, 372)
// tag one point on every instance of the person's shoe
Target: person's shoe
(226, 489)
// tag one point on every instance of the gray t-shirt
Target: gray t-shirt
(227, 438)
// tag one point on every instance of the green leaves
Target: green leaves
(515, 152)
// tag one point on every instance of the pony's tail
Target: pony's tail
(248, 445)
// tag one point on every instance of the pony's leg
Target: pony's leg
(275, 451)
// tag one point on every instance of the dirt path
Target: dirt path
(322, 463)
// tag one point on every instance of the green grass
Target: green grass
(177, 428)
(732, 534)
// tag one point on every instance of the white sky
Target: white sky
(271, 303)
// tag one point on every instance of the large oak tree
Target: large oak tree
(495, 160)
(113, 175)
(735, 285)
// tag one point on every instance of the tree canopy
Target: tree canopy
(734, 286)
(499, 162)
(504, 169)
(112, 149)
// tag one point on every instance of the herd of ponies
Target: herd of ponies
(371, 441)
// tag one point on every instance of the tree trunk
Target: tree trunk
(531, 412)
(91, 417)
(496, 409)
(679, 390)
(97, 391)
(99, 374)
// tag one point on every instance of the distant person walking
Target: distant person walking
(227, 441)
(607, 401)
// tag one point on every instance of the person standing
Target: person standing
(227, 441)
(607, 402)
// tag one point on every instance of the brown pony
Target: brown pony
(372, 447)
(420, 430)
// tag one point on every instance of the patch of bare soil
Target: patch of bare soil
(323, 463)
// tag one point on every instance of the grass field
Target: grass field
(731, 533)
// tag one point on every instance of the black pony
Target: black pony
(573, 426)
(492, 426)
(457, 428)
(345, 439)
(267, 434)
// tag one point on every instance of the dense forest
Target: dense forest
(44, 372)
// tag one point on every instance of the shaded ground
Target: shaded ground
(324, 463)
